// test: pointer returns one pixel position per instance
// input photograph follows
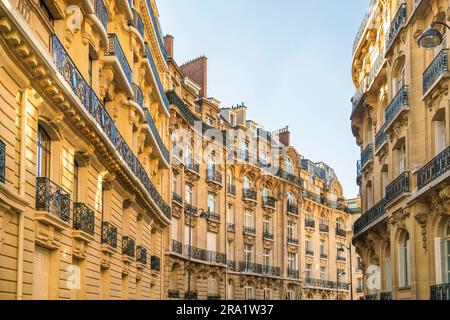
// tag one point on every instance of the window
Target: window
(402, 159)
(188, 232)
(308, 245)
(233, 119)
(440, 135)
(211, 163)
(403, 262)
(267, 294)
(341, 276)
(290, 295)
(211, 202)
(75, 181)
(248, 253)
(188, 193)
(323, 273)
(292, 261)
(230, 178)
(308, 268)
(267, 257)
(247, 183)
(43, 153)
(290, 198)
(267, 225)
(288, 166)
(265, 193)
(249, 293)
(291, 230)
(322, 248)
(230, 213)
(46, 11)
(230, 295)
(249, 219)
(360, 284)
(339, 224)
(41, 282)
(211, 241)
(175, 183)
(188, 155)
(322, 220)
(384, 182)
(174, 227)
(209, 121)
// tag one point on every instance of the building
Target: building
(251, 218)
(400, 120)
(84, 160)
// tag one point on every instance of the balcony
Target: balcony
(190, 209)
(396, 26)
(292, 209)
(270, 270)
(319, 283)
(292, 178)
(157, 29)
(341, 232)
(359, 290)
(434, 169)
(324, 228)
(381, 139)
(156, 79)
(437, 70)
(371, 297)
(231, 265)
(101, 12)
(250, 267)
(358, 173)
(213, 176)
(204, 255)
(138, 96)
(231, 227)
(156, 137)
(249, 195)
(121, 63)
(375, 70)
(94, 107)
(2, 162)
(267, 235)
(173, 294)
(231, 190)
(177, 247)
(268, 202)
(397, 106)
(364, 25)
(359, 97)
(155, 263)
(141, 255)
(109, 235)
(213, 296)
(292, 273)
(211, 216)
(128, 246)
(309, 252)
(370, 217)
(310, 223)
(341, 259)
(440, 292)
(250, 231)
(398, 187)
(137, 23)
(292, 240)
(83, 219)
(323, 256)
(52, 203)
(192, 167)
(386, 296)
(191, 295)
(177, 199)
(367, 156)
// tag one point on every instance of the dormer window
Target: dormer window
(209, 121)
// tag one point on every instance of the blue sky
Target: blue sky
(287, 60)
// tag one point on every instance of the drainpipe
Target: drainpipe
(21, 224)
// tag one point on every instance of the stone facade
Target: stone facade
(400, 119)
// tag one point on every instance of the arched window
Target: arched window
(213, 285)
(230, 290)
(43, 153)
(404, 261)
(290, 198)
(399, 77)
(247, 183)
(288, 166)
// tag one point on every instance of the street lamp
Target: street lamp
(203, 215)
(431, 37)
(349, 248)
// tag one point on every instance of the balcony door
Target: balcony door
(440, 132)
(43, 153)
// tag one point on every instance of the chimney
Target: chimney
(284, 136)
(168, 44)
(197, 71)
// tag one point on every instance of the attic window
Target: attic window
(209, 121)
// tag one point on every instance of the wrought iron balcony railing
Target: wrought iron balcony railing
(148, 55)
(212, 216)
(371, 297)
(137, 23)
(231, 227)
(177, 198)
(270, 270)
(109, 234)
(398, 187)
(191, 295)
(358, 172)
(231, 265)
(310, 223)
(380, 138)
(323, 255)
(248, 194)
(138, 96)
(341, 232)
(319, 283)
(364, 24)
(250, 267)
(213, 296)
(367, 155)
(213, 176)
(141, 255)
(155, 263)
(177, 247)
(359, 290)
(193, 167)
(386, 296)
(155, 133)
(292, 178)
(173, 294)
(434, 169)
(375, 70)
(396, 25)
(437, 68)
(324, 228)
(309, 252)
(358, 98)
(268, 202)
(370, 216)
(128, 246)
(341, 259)
(440, 292)
(83, 218)
(115, 49)
(291, 208)
(292, 240)
(101, 12)
(204, 255)
(52, 198)
(267, 235)
(2, 162)
(92, 104)
(292, 273)
(397, 104)
(231, 190)
(190, 209)
(250, 231)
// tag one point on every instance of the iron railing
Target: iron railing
(309, 252)
(293, 273)
(141, 255)
(101, 12)
(399, 102)
(396, 25)
(434, 169)
(268, 235)
(212, 216)
(109, 234)
(193, 167)
(177, 247)
(213, 296)
(370, 216)
(138, 96)
(52, 198)
(310, 223)
(386, 296)
(231, 190)
(173, 294)
(364, 25)
(128, 246)
(367, 155)
(381, 137)
(248, 194)
(148, 55)
(292, 240)
(398, 187)
(191, 295)
(177, 198)
(324, 228)
(213, 176)
(291, 208)
(250, 231)
(231, 265)
(149, 120)
(438, 67)
(137, 23)
(115, 49)
(341, 232)
(440, 292)
(231, 227)
(190, 209)
(83, 218)
(268, 202)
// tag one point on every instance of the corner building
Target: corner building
(84, 161)
(252, 219)
(400, 119)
